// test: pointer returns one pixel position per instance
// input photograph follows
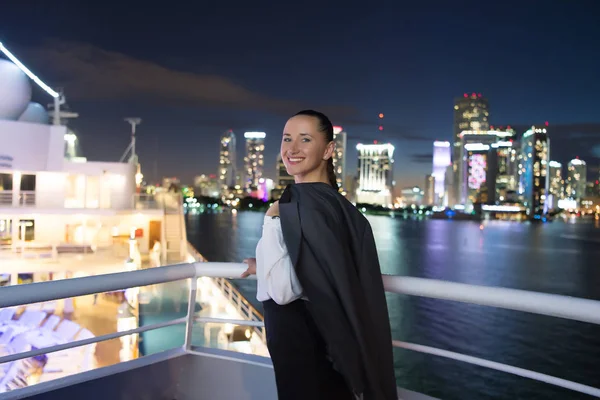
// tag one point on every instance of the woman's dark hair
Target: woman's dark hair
(325, 127)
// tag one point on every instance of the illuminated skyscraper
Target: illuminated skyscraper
(227, 162)
(254, 160)
(206, 185)
(502, 171)
(429, 192)
(534, 164)
(375, 174)
(282, 178)
(472, 163)
(576, 179)
(556, 185)
(471, 113)
(339, 156)
(441, 161)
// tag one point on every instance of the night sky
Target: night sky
(191, 72)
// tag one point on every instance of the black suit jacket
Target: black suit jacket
(332, 247)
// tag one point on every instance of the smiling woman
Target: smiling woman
(319, 280)
(307, 148)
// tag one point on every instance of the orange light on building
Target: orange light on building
(381, 115)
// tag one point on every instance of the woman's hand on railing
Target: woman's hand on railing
(251, 267)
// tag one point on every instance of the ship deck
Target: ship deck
(200, 373)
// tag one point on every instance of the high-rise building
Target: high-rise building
(282, 178)
(472, 164)
(339, 156)
(227, 163)
(254, 160)
(471, 113)
(534, 164)
(429, 192)
(411, 196)
(207, 185)
(576, 179)
(441, 161)
(375, 174)
(502, 171)
(556, 187)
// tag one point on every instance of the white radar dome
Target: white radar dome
(35, 113)
(15, 91)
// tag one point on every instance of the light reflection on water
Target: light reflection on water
(522, 256)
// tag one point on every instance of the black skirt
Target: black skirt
(299, 355)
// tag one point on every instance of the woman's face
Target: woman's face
(304, 150)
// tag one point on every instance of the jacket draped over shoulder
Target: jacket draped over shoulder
(333, 250)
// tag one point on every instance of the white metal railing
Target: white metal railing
(539, 303)
(234, 296)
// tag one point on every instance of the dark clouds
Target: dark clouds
(89, 73)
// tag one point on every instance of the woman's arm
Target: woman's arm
(273, 211)
(274, 266)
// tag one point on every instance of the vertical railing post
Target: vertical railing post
(187, 345)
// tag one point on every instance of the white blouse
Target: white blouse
(275, 273)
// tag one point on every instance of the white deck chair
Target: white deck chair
(32, 318)
(67, 329)
(7, 336)
(34, 307)
(49, 307)
(85, 334)
(51, 323)
(20, 345)
(49, 376)
(6, 314)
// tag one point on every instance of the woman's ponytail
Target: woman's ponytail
(331, 174)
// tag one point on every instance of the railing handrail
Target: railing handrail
(554, 305)
(233, 294)
(54, 290)
(540, 303)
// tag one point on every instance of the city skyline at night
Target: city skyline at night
(394, 59)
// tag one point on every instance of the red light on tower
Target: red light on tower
(381, 115)
(375, 141)
(465, 95)
(478, 94)
(491, 126)
(546, 123)
(473, 95)
(507, 126)
(380, 127)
